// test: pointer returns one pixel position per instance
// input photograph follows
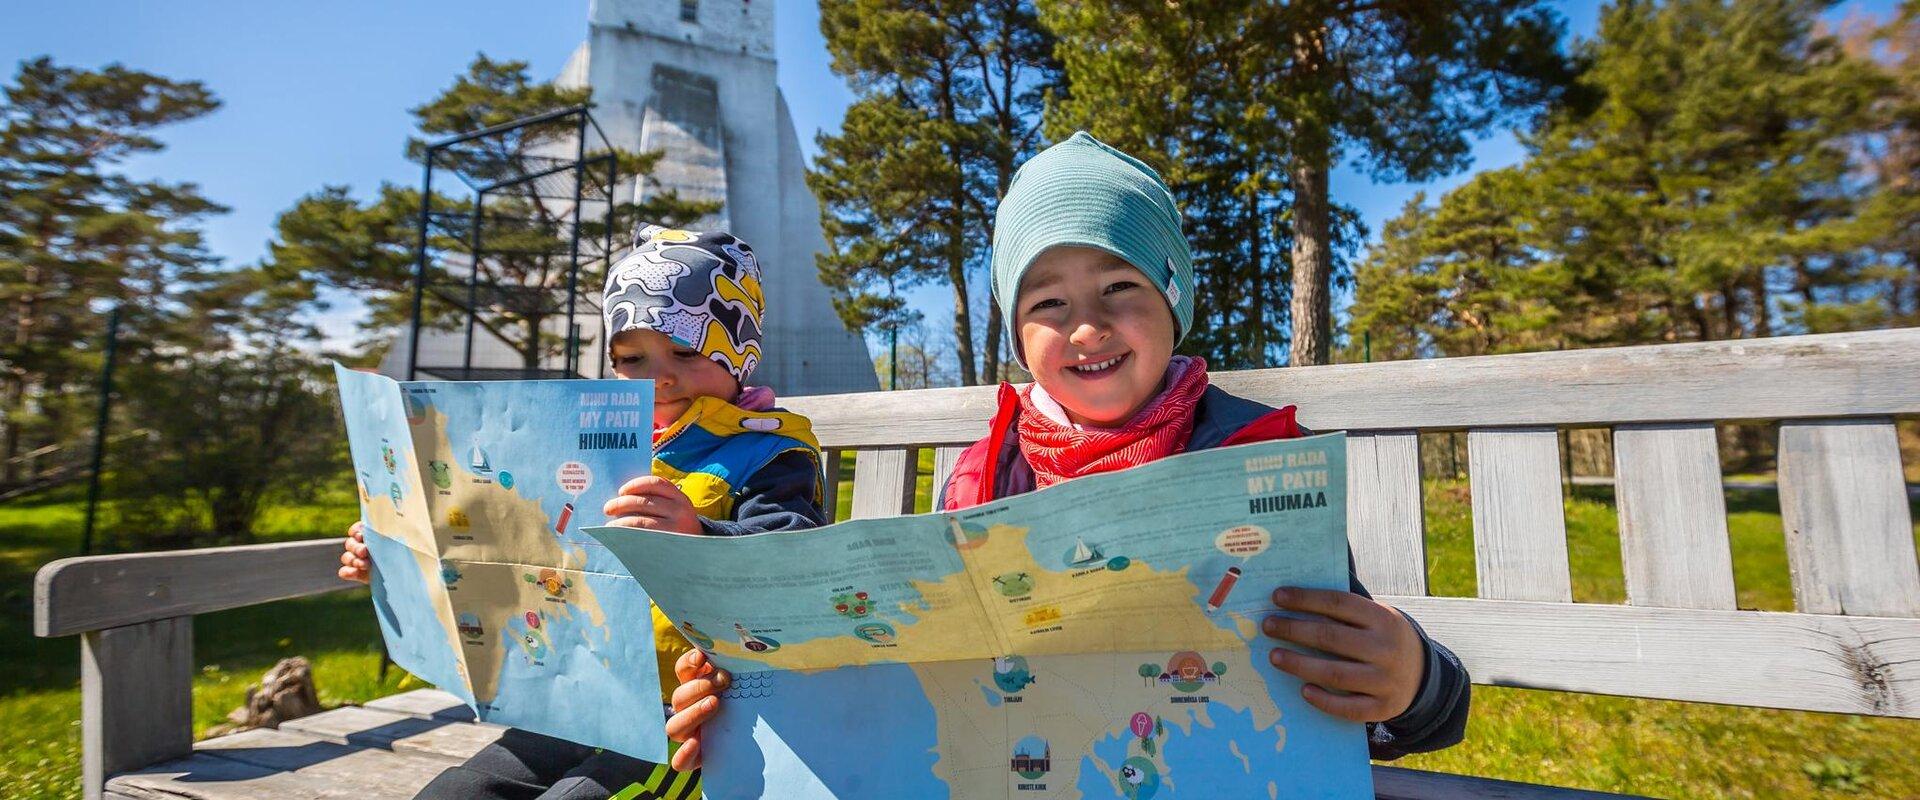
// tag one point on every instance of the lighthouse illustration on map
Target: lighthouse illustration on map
(750, 641)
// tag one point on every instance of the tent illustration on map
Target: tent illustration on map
(483, 582)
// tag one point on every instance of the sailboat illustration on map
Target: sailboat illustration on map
(1082, 554)
(478, 460)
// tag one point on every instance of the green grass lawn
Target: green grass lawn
(1651, 747)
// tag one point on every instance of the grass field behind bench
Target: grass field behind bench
(1658, 748)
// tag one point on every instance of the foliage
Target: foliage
(1710, 187)
(949, 103)
(329, 240)
(1250, 106)
(77, 237)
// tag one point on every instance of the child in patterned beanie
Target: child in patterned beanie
(683, 310)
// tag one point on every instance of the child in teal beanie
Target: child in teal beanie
(1095, 280)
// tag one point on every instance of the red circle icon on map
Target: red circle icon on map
(533, 620)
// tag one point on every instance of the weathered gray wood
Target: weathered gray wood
(1844, 505)
(1809, 662)
(454, 742)
(273, 748)
(1399, 783)
(365, 727)
(358, 773)
(1790, 377)
(830, 482)
(944, 460)
(425, 704)
(136, 698)
(882, 483)
(1385, 513)
(1673, 516)
(1519, 523)
(74, 595)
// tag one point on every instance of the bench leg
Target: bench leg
(136, 698)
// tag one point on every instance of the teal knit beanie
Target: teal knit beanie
(1083, 192)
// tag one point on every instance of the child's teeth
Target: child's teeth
(1100, 366)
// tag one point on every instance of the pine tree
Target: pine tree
(78, 237)
(949, 103)
(1278, 94)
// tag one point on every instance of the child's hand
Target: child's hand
(694, 704)
(355, 561)
(1381, 661)
(654, 503)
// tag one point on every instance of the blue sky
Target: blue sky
(317, 93)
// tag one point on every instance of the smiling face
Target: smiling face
(679, 374)
(1096, 334)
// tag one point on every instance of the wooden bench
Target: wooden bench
(1852, 646)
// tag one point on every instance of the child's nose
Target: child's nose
(1089, 331)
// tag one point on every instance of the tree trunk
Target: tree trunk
(1312, 211)
(1312, 263)
(962, 314)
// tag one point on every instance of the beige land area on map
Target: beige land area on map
(1086, 668)
(501, 543)
(959, 619)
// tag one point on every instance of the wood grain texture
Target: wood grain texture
(1849, 531)
(1825, 375)
(1519, 523)
(136, 698)
(1673, 516)
(425, 704)
(882, 483)
(830, 482)
(89, 593)
(1808, 662)
(1386, 526)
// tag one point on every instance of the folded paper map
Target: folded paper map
(472, 497)
(1099, 638)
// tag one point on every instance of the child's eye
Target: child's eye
(1047, 303)
(1121, 286)
(685, 354)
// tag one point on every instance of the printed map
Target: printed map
(472, 497)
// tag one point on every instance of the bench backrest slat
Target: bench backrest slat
(1519, 525)
(1849, 531)
(1673, 516)
(1386, 522)
(883, 482)
(75, 595)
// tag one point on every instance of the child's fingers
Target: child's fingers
(628, 505)
(691, 664)
(646, 484)
(687, 758)
(1330, 603)
(686, 722)
(1354, 707)
(357, 532)
(650, 523)
(691, 692)
(1328, 637)
(1332, 673)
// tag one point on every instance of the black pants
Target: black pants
(528, 766)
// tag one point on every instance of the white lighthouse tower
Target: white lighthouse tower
(696, 80)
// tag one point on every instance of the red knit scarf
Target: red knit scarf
(1059, 452)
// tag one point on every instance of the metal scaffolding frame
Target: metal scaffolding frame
(531, 180)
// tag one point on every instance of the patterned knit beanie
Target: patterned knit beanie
(702, 290)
